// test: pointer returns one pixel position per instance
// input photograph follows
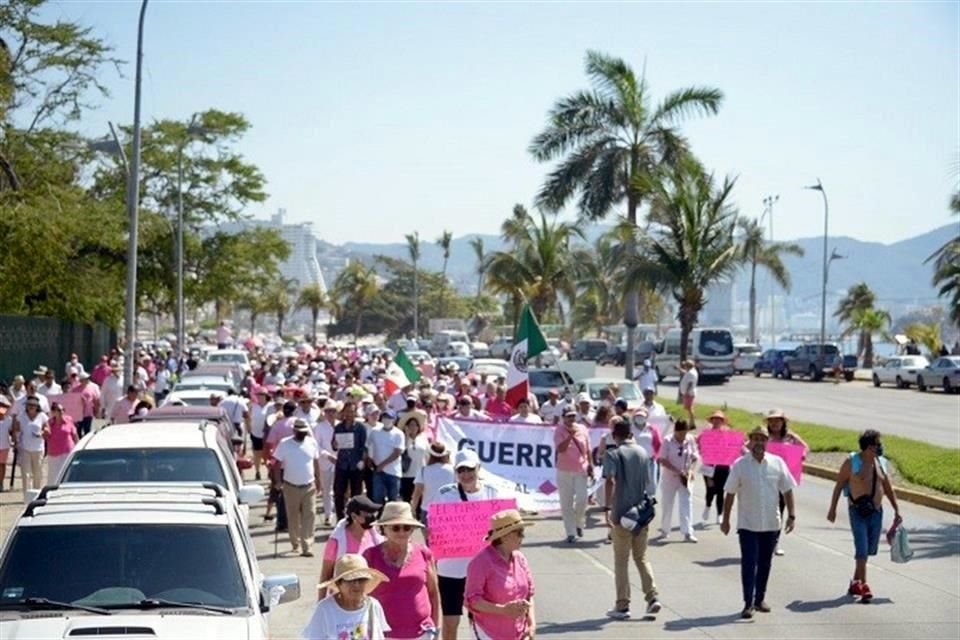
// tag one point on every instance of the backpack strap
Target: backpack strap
(463, 494)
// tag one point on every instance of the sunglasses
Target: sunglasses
(465, 469)
(397, 528)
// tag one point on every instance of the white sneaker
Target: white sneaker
(619, 614)
(719, 519)
(653, 607)
(778, 552)
(690, 538)
(706, 515)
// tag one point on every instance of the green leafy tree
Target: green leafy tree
(355, 288)
(608, 138)
(314, 298)
(927, 334)
(691, 242)
(255, 304)
(859, 298)
(756, 251)
(413, 247)
(868, 323)
(444, 241)
(281, 297)
(946, 268)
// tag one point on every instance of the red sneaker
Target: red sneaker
(855, 588)
(865, 594)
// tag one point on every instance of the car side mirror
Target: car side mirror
(250, 494)
(281, 589)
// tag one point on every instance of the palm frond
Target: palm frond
(683, 103)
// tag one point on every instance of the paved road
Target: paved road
(932, 417)
(699, 584)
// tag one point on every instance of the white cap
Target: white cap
(466, 458)
(583, 397)
(646, 363)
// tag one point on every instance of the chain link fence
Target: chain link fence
(27, 342)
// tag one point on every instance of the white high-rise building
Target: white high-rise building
(301, 265)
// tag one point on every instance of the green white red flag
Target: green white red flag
(400, 373)
(528, 342)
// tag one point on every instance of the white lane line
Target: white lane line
(596, 562)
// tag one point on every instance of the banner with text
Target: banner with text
(457, 529)
(719, 446)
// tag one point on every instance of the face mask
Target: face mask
(880, 450)
(367, 520)
(300, 437)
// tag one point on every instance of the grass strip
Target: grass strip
(921, 463)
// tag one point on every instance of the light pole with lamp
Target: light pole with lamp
(768, 203)
(826, 263)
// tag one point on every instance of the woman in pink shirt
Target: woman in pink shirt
(574, 468)
(499, 590)
(497, 407)
(60, 440)
(411, 598)
(353, 534)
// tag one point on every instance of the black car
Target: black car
(589, 349)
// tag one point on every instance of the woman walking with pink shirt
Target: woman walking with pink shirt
(574, 468)
(499, 590)
(411, 597)
(61, 438)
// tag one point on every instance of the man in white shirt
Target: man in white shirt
(307, 410)
(299, 458)
(397, 401)
(236, 409)
(585, 413)
(112, 390)
(758, 480)
(258, 424)
(465, 410)
(647, 376)
(385, 446)
(688, 389)
(523, 413)
(323, 434)
(553, 408)
(48, 385)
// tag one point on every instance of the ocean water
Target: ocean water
(881, 349)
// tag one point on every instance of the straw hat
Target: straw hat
(759, 431)
(504, 523)
(717, 414)
(352, 566)
(397, 513)
(776, 413)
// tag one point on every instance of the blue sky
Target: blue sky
(373, 120)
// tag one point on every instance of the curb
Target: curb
(907, 495)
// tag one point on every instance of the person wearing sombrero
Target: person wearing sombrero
(778, 431)
(411, 598)
(500, 589)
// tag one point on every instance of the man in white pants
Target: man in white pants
(574, 469)
(323, 434)
(678, 461)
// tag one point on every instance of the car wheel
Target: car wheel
(813, 374)
(848, 376)
(876, 380)
(756, 373)
(920, 384)
(899, 382)
(787, 374)
(946, 386)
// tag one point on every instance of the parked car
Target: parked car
(492, 367)
(190, 398)
(943, 372)
(233, 372)
(589, 349)
(600, 388)
(155, 562)
(463, 364)
(543, 380)
(771, 362)
(617, 353)
(745, 356)
(480, 349)
(501, 347)
(417, 356)
(231, 356)
(813, 363)
(457, 348)
(203, 383)
(900, 371)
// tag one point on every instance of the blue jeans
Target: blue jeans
(756, 555)
(866, 532)
(385, 487)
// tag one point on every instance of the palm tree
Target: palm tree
(755, 251)
(859, 298)
(868, 322)
(540, 265)
(608, 137)
(926, 334)
(444, 243)
(255, 304)
(355, 287)
(314, 298)
(691, 242)
(598, 304)
(946, 267)
(281, 300)
(413, 246)
(476, 243)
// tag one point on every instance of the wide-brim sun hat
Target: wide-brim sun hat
(776, 413)
(717, 414)
(504, 523)
(397, 513)
(759, 431)
(352, 566)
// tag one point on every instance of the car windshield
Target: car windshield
(115, 565)
(547, 379)
(912, 362)
(625, 390)
(227, 357)
(145, 465)
(716, 343)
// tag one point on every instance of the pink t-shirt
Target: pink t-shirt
(405, 599)
(353, 545)
(89, 395)
(281, 429)
(577, 456)
(491, 578)
(61, 437)
(499, 409)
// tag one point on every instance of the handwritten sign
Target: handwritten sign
(792, 454)
(72, 404)
(457, 529)
(720, 446)
(344, 440)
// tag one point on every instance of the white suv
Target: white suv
(159, 452)
(135, 560)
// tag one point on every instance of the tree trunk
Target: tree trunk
(217, 306)
(253, 322)
(280, 325)
(356, 328)
(443, 291)
(416, 304)
(868, 351)
(316, 313)
(479, 285)
(8, 171)
(753, 303)
(632, 298)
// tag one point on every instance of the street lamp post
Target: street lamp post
(768, 203)
(826, 262)
(133, 203)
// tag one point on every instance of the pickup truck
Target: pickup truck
(806, 361)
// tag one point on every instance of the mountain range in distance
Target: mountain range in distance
(895, 272)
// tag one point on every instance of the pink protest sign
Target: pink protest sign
(792, 454)
(72, 404)
(720, 446)
(457, 529)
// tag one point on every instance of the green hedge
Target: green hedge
(921, 463)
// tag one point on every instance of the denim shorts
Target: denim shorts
(866, 532)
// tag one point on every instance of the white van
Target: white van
(711, 346)
(440, 344)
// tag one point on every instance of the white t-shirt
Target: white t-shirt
(647, 379)
(323, 434)
(531, 418)
(19, 407)
(552, 412)
(53, 389)
(258, 420)
(31, 431)
(434, 477)
(457, 567)
(381, 443)
(688, 383)
(416, 453)
(310, 416)
(331, 622)
(297, 459)
(234, 407)
(758, 486)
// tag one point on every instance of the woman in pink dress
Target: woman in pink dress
(61, 438)
(411, 598)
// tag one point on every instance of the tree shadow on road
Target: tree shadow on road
(940, 542)
(813, 606)
(685, 624)
(596, 624)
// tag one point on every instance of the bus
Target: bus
(712, 347)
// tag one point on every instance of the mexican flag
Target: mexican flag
(400, 373)
(528, 343)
